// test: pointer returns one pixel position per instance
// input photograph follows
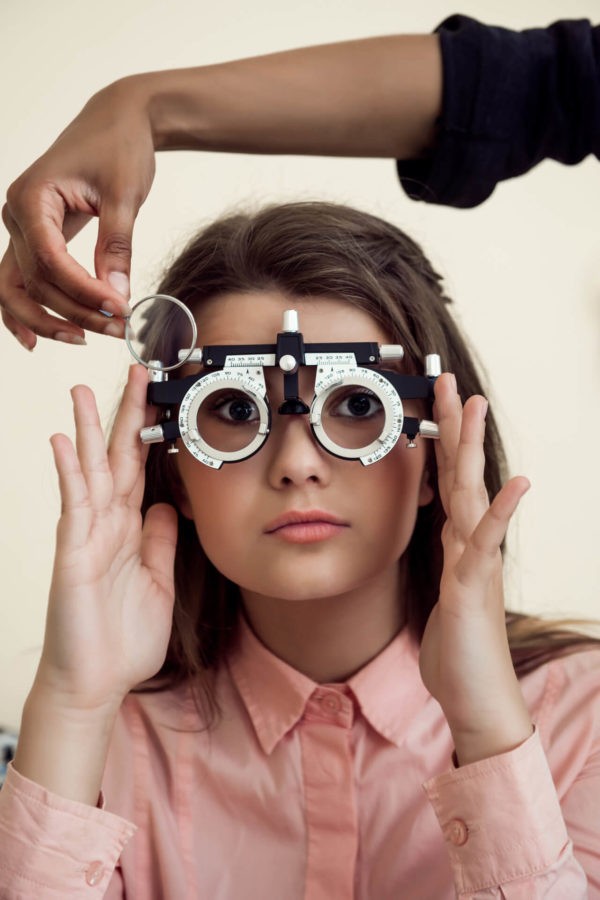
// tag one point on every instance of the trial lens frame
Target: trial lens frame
(240, 367)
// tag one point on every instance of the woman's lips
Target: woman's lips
(305, 527)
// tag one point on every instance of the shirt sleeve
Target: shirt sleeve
(54, 848)
(510, 100)
(505, 830)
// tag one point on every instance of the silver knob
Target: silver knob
(391, 351)
(152, 435)
(433, 365)
(288, 363)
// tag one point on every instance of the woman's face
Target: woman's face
(236, 508)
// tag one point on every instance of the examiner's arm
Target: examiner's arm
(378, 97)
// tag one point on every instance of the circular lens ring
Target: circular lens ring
(387, 396)
(199, 392)
(148, 363)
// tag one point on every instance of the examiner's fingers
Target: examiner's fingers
(22, 315)
(112, 256)
(40, 225)
(25, 336)
(479, 561)
(25, 317)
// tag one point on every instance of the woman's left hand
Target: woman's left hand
(465, 658)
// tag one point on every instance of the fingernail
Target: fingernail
(23, 343)
(114, 329)
(69, 338)
(120, 282)
(453, 380)
(109, 309)
(484, 409)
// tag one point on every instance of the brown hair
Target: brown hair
(311, 249)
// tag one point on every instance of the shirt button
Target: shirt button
(331, 702)
(94, 873)
(458, 833)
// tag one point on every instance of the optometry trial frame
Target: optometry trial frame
(356, 412)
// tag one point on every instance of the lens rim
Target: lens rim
(327, 383)
(234, 379)
(155, 364)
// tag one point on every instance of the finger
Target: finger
(113, 248)
(126, 453)
(469, 498)
(24, 336)
(73, 487)
(22, 314)
(22, 303)
(91, 447)
(137, 494)
(447, 411)
(159, 540)
(479, 561)
(75, 501)
(35, 222)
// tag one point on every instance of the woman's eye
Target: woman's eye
(235, 410)
(358, 404)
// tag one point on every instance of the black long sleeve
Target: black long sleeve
(510, 100)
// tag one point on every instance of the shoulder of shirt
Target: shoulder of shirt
(171, 708)
(564, 694)
(579, 663)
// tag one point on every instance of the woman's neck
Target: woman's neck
(329, 639)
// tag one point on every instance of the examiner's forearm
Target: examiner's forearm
(378, 97)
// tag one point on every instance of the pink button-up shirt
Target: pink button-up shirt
(321, 792)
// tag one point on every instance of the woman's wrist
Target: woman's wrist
(510, 727)
(62, 748)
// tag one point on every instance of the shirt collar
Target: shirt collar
(388, 690)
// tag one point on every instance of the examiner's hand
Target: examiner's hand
(465, 657)
(101, 165)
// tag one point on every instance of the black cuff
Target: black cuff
(510, 99)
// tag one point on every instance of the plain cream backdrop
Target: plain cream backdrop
(523, 269)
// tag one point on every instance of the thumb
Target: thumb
(112, 256)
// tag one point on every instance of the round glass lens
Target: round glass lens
(353, 417)
(228, 420)
(165, 323)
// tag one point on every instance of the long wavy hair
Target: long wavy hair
(311, 249)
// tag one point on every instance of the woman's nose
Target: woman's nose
(295, 455)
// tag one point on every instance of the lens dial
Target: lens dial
(224, 417)
(356, 413)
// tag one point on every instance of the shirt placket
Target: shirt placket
(329, 792)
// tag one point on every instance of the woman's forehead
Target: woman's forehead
(256, 318)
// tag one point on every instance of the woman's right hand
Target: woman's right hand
(101, 165)
(111, 598)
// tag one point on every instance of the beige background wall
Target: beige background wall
(524, 269)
